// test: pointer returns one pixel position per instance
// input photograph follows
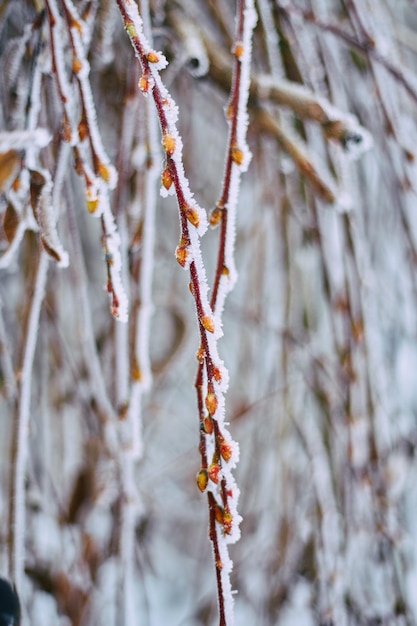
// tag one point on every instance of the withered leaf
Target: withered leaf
(9, 165)
(10, 222)
(51, 251)
(37, 183)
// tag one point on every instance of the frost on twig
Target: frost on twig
(23, 139)
(213, 378)
(91, 160)
(337, 126)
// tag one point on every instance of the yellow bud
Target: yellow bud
(237, 155)
(75, 24)
(103, 172)
(181, 254)
(208, 425)
(211, 403)
(135, 372)
(83, 130)
(166, 178)
(168, 143)
(219, 513)
(192, 216)
(226, 451)
(238, 50)
(227, 522)
(216, 216)
(201, 353)
(77, 66)
(202, 480)
(92, 205)
(144, 83)
(131, 30)
(208, 324)
(217, 375)
(152, 57)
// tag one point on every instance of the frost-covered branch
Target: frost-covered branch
(217, 475)
(86, 139)
(17, 526)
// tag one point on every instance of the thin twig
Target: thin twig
(17, 525)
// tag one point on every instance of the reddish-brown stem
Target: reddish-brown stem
(217, 559)
(224, 198)
(173, 165)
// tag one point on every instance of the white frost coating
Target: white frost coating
(87, 97)
(173, 146)
(227, 283)
(357, 139)
(146, 306)
(24, 139)
(18, 501)
(271, 37)
(8, 255)
(33, 114)
(171, 115)
(164, 192)
(57, 33)
(46, 218)
(112, 242)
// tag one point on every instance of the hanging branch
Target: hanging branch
(17, 508)
(86, 139)
(223, 516)
(213, 378)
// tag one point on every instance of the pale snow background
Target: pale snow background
(319, 338)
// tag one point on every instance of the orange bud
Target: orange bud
(238, 50)
(152, 57)
(219, 565)
(216, 216)
(226, 451)
(103, 172)
(208, 425)
(75, 24)
(237, 155)
(166, 178)
(201, 353)
(144, 83)
(83, 130)
(77, 66)
(181, 254)
(219, 513)
(229, 112)
(217, 375)
(192, 216)
(227, 522)
(225, 271)
(213, 472)
(135, 372)
(202, 480)
(208, 324)
(211, 403)
(168, 142)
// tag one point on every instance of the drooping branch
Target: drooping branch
(212, 378)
